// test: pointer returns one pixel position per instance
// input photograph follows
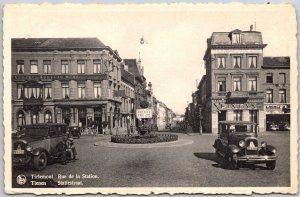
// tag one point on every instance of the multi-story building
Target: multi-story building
(233, 62)
(276, 85)
(68, 80)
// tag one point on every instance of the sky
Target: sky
(175, 35)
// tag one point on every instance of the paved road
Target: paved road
(190, 164)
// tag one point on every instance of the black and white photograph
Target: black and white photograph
(163, 98)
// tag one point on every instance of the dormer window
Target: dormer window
(236, 38)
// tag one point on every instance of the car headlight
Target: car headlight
(242, 143)
(273, 151)
(29, 148)
(263, 144)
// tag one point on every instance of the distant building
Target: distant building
(276, 85)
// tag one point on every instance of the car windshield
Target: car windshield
(243, 128)
(36, 131)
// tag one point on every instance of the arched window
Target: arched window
(48, 116)
(34, 118)
(20, 118)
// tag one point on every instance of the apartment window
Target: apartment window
(33, 92)
(65, 91)
(252, 84)
(20, 89)
(236, 83)
(221, 84)
(97, 66)
(252, 62)
(282, 79)
(269, 96)
(238, 115)
(20, 118)
(34, 118)
(20, 66)
(33, 67)
(48, 116)
(236, 61)
(269, 78)
(282, 96)
(81, 91)
(253, 116)
(64, 66)
(47, 91)
(236, 38)
(47, 66)
(221, 62)
(97, 90)
(80, 66)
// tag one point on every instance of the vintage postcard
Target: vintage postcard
(150, 98)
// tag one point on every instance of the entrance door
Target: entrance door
(82, 117)
(98, 119)
(222, 116)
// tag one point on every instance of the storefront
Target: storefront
(276, 116)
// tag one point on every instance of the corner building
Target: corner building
(233, 61)
(70, 80)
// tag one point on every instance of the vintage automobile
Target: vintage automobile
(38, 144)
(272, 126)
(237, 144)
(284, 126)
(75, 131)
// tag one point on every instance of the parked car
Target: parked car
(38, 144)
(237, 144)
(75, 131)
(272, 126)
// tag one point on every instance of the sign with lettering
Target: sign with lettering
(143, 113)
(58, 77)
(237, 106)
(277, 108)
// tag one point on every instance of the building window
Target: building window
(20, 66)
(236, 83)
(47, 66)
(82, 117)
(282, 79)
(236, 62)
(238, 115)
(253, 116)
(20, 118)
(81, 91)
(221, 62)
(269, 78)
(252, 84)
(66, 116)
(252, 62)
(48, 116)
(97, 66)
(34, 118)
(33, 67)
(64, 66)
(97, 90)
(33, 92)
(20, 89)
(47, 91)
(282, 96)
(221, 84)
(80, 66)
(65, 91)
(269, 96)
(236, 38)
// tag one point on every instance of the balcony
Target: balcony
(33, 104)
(236, 95)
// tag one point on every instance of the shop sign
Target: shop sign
(233, 106)
(276, 108)
(143, 113)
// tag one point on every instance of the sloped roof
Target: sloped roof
(276, 62)
(247, 38)
(127, 76)
(132, 66)
(56, 43)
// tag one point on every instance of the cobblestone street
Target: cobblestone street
(189, 162)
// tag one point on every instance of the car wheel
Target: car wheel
(271, 165)
(40, 161)
(232, 164)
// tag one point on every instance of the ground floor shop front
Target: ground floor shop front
(220, 110)
(105, 116)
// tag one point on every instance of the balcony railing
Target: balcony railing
(237, 95)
